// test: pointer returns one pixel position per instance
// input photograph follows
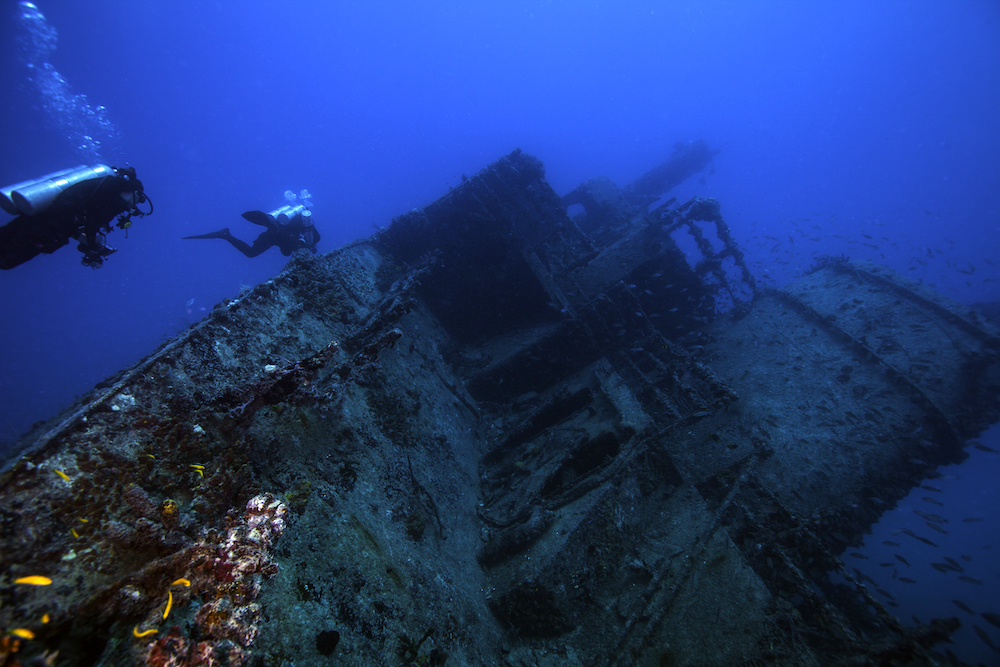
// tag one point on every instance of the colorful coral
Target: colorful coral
(230, 569)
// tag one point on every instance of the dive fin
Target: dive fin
(258, 218)
(221, 234)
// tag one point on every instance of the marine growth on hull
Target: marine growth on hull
(493, 434)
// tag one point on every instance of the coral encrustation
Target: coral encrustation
(227, 624)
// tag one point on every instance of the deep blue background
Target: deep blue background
(834, 120)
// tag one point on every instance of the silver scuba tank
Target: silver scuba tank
(8, 205)
(276, 214)
(35, 198)
(286, 213)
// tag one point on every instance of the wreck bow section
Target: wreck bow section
(493, 434)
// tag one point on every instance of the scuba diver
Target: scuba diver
(77, 203)
(289, 227)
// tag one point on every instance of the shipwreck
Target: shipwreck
(493, 434)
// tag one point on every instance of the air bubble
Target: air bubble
(72, 115)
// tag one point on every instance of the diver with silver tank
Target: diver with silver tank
(289, 227)
(77, 203)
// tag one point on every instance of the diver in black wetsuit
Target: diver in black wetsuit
(289, 227)
(77, 203)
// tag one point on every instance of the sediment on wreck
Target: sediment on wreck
(489, 435)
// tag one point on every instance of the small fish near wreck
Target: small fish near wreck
(964, 607)
(467, 439)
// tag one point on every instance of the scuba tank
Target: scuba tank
(296, 206)
(8, 205)
(285, 214)
(33, 197)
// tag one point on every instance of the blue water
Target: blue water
(970, 506)
(840, 124)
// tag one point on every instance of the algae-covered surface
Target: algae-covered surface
(486, 436)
